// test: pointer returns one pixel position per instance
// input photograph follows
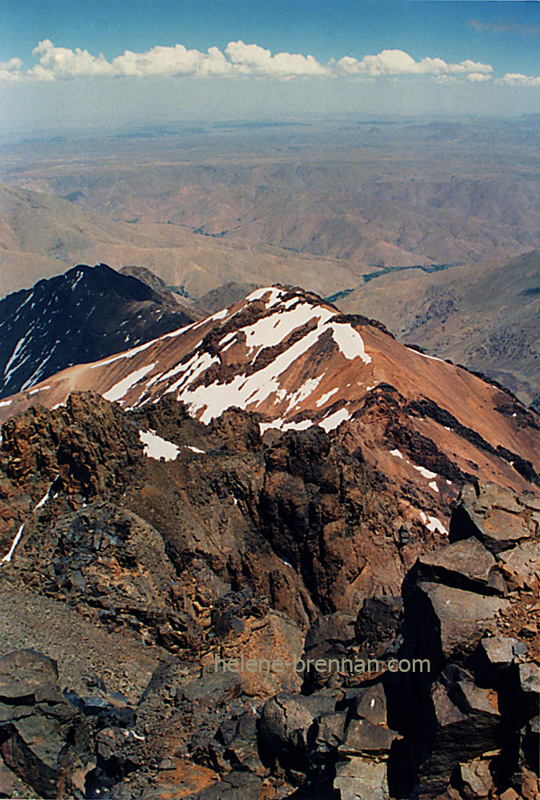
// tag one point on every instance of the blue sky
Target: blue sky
(264, 58)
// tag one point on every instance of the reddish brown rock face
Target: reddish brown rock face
(153, 536)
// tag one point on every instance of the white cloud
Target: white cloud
(478, 77)
(11, 70)
(397, 62)
(171, 62)
(517, 79)
(61, 62)
(238, 59)
(250, 59)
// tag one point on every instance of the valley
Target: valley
(245, 419)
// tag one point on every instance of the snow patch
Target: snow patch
(425, 472)
(156, 447)
(335, 419)
(322, 400)
(396, 453)
(349, 342)
(121, 388)
(7, 558)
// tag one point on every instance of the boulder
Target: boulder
(330, 732)
(493, 516)
(529, 684)
(329, 629)
(475, 779)
(370, 704)
(450, 622)
(521, 566)
(361, 779)
(44, 740)
(493, 658)
(365, 738)
(465, 724)
(287, 727)
(465, 564)
(378, 624)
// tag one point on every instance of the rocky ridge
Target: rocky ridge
(234, 548)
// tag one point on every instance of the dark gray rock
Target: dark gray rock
(451, 622)
(332, 628)
(44, 740)
(288, 729)
(493, 516)
(465, 725)
(365, 738)
(370, 704)
(378, 623)
(465, 564)
(330, 732)
(494, 657)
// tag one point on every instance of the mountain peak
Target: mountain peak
(297, 362)
(79, 316)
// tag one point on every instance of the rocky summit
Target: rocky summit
(271, 554)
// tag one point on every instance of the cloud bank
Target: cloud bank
(241, 60)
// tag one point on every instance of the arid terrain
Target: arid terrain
(332, 207)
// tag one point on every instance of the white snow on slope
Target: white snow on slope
(426, 473)
(121, 388)
(432, 523)
(156, 447)
(335, 419)
(7, 558)
(349, 341)
(322, 400)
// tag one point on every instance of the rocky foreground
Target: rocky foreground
(240, 619)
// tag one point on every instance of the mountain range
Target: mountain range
(276, 482)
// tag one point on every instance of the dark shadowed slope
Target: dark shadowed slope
(85, 314)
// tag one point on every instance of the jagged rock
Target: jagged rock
(450, 622)
(331, 628)
(11, 785)
(287, 726)
(235, 786)
(530, 500)
(494, 656)
(529, 683)
(475, 779)
(529, 787)
(264, 654)
(44, 740)
(521, 566)
(365, 738)
(466, 722)
(370, 703)
(464, 564)
(378, 623)
(239, 737)
(361, 779)
(531, 743)
(493, 516)
(509, 794)
(330, 732)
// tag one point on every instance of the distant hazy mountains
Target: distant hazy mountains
(486, 317)
(85, 314)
